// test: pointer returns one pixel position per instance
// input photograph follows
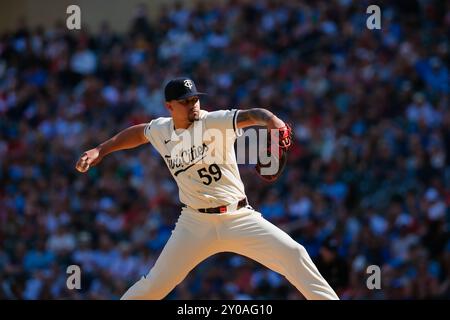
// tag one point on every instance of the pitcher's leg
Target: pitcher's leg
(260, 240)
(190, 243)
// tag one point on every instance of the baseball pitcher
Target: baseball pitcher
(198, 148)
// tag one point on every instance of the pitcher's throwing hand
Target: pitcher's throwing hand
(88, 159)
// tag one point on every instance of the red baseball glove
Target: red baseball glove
(282, 144)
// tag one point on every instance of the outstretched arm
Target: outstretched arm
(258, 117)
(131, 137)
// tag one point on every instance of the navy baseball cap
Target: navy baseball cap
(181, 88)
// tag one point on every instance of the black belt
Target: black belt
(223, 209)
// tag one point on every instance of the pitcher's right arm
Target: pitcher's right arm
(131, 137)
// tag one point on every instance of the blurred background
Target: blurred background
(368, 181)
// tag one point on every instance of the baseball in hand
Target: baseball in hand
(82, 164)
(88, 159)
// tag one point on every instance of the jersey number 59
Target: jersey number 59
(214, 173)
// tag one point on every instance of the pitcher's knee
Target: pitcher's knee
(302, 250)
(297, 252)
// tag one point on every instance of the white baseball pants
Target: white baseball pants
(198, 235)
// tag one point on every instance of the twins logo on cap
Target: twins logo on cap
(180, 88)
(188, 83)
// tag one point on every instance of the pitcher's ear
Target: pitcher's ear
(169, 106)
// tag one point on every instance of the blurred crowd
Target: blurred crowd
(368, 179)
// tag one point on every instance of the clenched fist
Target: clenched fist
(88, 159)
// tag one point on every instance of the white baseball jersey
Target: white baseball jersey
(201, 158)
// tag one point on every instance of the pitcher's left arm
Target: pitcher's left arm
(258, 117)
(279, 137)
